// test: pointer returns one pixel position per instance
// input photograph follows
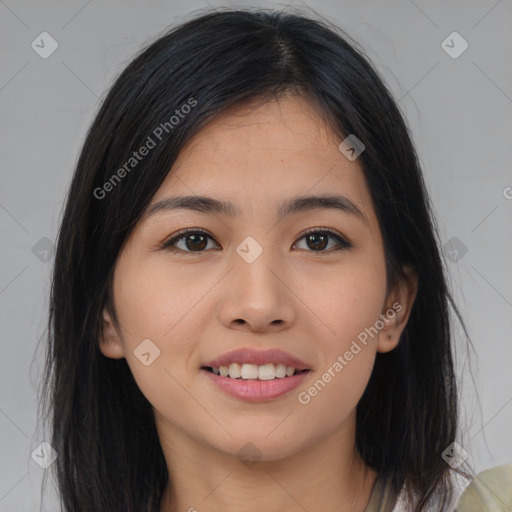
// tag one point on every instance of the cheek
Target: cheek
(348, 303)
(346, 300)
(153, 301)
(154, 305)
(335, 393)
(349, 306)
(147, 308)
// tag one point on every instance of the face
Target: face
(254, 278)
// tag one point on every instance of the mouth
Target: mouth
(251, 388)
(250, 364)
(256, 375)
(246, 371)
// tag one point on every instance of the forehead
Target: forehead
(288, 128)
(261, 152)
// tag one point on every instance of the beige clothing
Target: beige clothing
(489, 491)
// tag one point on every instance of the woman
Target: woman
(301, 358)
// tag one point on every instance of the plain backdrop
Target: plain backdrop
(458, 105)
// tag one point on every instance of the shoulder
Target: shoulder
(489, 491)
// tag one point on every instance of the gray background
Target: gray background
(459, 110)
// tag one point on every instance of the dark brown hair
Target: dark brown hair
(408, 413)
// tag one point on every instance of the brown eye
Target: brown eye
(318, 239)
(191, 240)
(194, 240)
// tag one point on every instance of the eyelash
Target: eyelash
(168, 243)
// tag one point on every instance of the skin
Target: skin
(197, 305)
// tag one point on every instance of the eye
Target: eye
(191, 240)
(196, 240)
(317, 239)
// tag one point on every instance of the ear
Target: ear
(110, 342)
(397, 310)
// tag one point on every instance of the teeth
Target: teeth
(249, 371)
(235, 370)
(281, 371)
(253, 371)
(267, 372)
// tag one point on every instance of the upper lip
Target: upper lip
(259, 357)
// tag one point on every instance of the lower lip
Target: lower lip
(257, 390)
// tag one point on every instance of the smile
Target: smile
(246, 371)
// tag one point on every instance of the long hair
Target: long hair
(109, 456)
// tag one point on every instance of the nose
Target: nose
(257, 296)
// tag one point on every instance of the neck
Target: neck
(324, 477)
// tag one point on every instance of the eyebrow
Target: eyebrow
(297, 204)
